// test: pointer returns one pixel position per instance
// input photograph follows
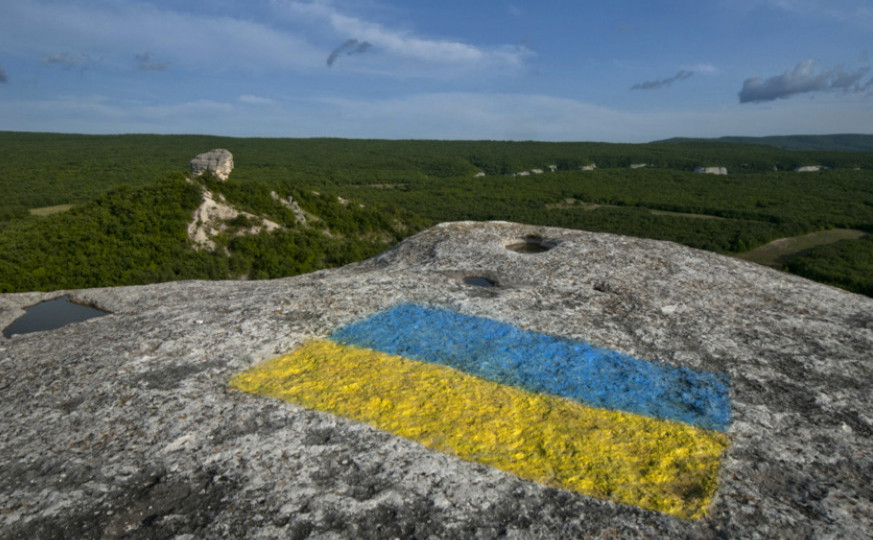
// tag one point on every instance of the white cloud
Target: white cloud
(123, 28)
(404, 44)
(115, 31)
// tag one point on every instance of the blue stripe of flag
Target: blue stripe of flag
(541, 363)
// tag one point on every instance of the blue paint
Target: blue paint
(537, 362)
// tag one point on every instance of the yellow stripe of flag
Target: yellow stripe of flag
(655, 464)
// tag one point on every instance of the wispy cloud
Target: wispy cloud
(3, 77)
(705, 69)
(681, 75)
(406, 45)
(123, 29)
(145, 63)
(255, 100)
(857, 12)
(351, 46)
(804, 78)
(68, 60)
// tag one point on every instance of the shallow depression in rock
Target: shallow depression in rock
(531, 244)
(51, 314)
(479, 281)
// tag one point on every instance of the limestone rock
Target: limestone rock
(219, 161)
(125, 425)
(721, 171)
(212, 218)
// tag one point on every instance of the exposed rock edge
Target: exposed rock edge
(124, 425)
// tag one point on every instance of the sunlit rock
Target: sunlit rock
(129, 424)
(219, 161)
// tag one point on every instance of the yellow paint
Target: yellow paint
(655, 464)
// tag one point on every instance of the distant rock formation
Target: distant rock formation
(219, 161)
(809, 168)
(128, 426)
(711, 170)
(590, 167)
(213, 217)
(639, 165)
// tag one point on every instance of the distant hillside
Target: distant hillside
(845, 142)
(89, 211)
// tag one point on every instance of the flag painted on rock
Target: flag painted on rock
(556, 411)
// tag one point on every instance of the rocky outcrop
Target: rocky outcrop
(213, 217)
(809, 168)
(127, 424)
(219, 161)
(721, 171)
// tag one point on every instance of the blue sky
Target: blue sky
(619, 71)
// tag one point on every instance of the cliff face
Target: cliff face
(128, 425)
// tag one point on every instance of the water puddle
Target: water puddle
(479, 281)
(51, 314)
(531, 244)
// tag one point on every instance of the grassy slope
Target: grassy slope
(779, 251)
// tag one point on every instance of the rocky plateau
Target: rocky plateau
(125, 426)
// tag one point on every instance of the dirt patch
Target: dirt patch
(777, 252)
(49, 210)
(684, 214)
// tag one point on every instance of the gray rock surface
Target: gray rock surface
(124, 425)
(219, 161)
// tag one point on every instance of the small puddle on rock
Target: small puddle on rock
(51, 314)
(479, 281)
(531, 244)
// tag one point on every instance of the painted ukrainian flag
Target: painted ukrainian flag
(556, 411)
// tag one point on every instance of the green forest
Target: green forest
(86, 210)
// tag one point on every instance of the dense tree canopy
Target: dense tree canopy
(128, 221)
